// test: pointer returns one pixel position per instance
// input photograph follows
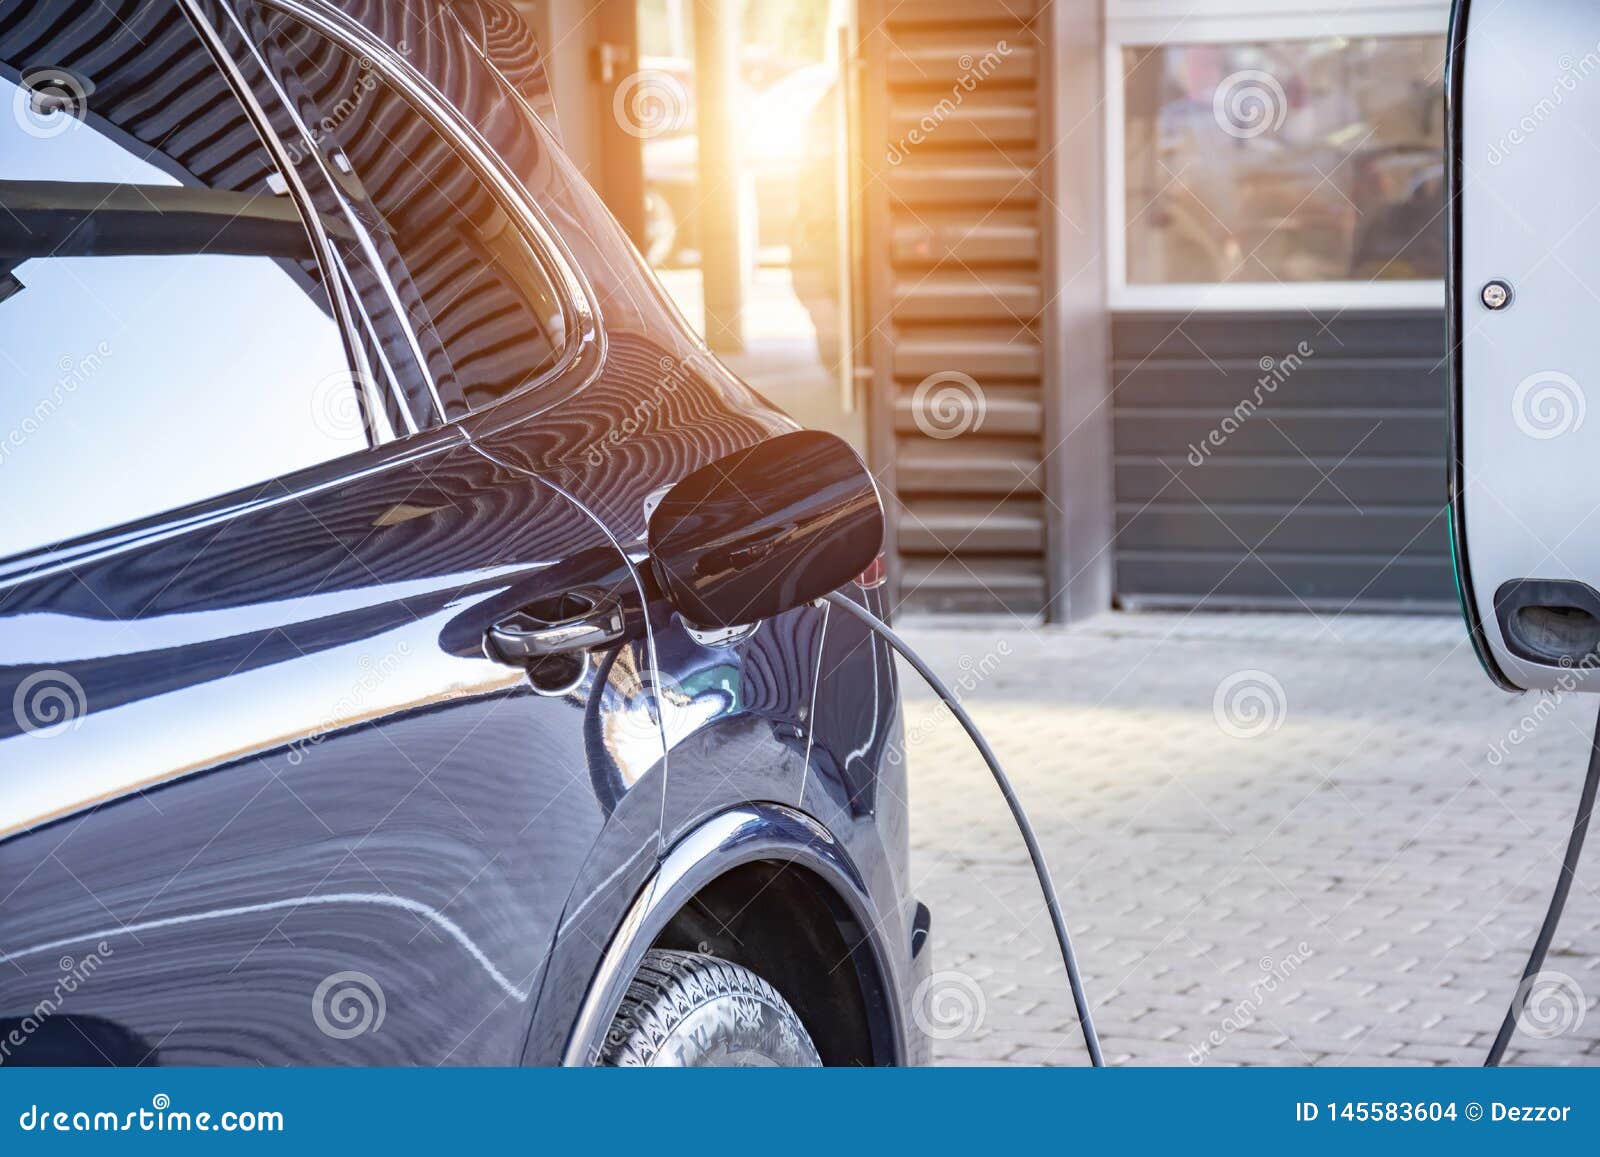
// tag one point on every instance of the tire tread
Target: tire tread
(669, 986)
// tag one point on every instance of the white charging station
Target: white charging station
(1525, 336)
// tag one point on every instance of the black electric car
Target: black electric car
(410, 647)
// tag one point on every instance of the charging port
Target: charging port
(1550, 621)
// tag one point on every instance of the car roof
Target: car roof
(160, 92)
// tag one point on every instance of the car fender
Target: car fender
(740, 835)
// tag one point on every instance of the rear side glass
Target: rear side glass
(485, 316)
(162, 316)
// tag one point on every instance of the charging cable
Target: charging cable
(1558, 902)
(1046, 885)
(1541, 946)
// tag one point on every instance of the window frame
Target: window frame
(51, 554)
(579, 363)
(582, 350)
(1164, 23)
(341, 297)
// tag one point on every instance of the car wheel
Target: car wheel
(686, 1010)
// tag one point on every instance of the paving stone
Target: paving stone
(1357, 883)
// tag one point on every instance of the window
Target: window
(483, 314)
(164, 333)
(1283, 162)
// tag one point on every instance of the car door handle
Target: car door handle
(561, 626)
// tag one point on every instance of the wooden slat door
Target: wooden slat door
(955, 244)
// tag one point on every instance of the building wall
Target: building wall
(1326, 491)
(1277, 322)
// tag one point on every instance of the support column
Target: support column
(717, 101)
(1077, 381)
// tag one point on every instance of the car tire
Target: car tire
(688, 1010)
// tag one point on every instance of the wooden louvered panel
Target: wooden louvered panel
(969, 465)
(971, 57)
(970, 123)
(958, 585)
(972, 527)
(1007, 411)
(954, 248)
(983, 357)
(949, 239)
(962, 296)
(920, 184)
(907, 14)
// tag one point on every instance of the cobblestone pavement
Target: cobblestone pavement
(1279, 841)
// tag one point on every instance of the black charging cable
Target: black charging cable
(1558, 902)
(1046, 884)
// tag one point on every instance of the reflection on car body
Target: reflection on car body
(290, 460)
